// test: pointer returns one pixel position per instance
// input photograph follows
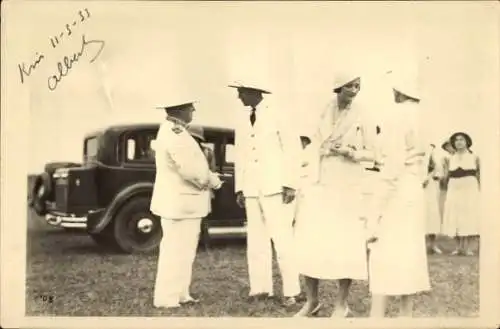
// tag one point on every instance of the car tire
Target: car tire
(105, 239)
(127, 222)
(41, 190)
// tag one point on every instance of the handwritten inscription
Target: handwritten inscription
(92, 48)
(64, 67)
(25, 71)
(68, 28)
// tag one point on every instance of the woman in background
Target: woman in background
(432, 190)
(398, 259)
(330, 237)
(446, 146)
(461, 210)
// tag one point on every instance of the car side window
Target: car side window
(131, 149)
(229, 160)
(140, 148)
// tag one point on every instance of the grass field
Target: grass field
(85, 281)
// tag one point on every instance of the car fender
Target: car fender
(120, 199)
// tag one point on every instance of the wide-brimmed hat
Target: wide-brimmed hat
(406, 83)
(196, 131)
(468, 139)
(252, 85)
(181, 104)
(341, 78)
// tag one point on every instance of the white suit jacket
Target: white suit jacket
(268, 154)
(183, 177)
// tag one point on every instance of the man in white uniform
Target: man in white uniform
(267, 172)
(181, 198)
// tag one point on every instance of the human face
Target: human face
(460, 143)
(248, 97)
(449, 148)
(304, 142)
(187, 114)
(350, 90)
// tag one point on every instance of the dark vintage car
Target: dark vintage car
(109, 194)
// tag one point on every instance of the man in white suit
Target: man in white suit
(267, 172)
(181, 197)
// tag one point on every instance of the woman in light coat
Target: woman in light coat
(330, 236)
(398, 259)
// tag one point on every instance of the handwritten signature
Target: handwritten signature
(64, 67)
(26, 71)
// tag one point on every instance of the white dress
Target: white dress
(462, 207)
(398, 260)
(432, 195)
(329, 235)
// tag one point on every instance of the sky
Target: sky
(163, 52)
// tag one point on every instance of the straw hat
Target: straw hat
(252, 85)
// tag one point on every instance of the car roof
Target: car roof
(118, 128)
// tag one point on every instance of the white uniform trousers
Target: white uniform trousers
(268, 218)
(175, 261)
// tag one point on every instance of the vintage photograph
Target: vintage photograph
(263, 160)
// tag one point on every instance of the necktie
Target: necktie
(252, 116)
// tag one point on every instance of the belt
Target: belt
(462, 173)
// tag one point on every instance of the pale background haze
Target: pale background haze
(156, 54)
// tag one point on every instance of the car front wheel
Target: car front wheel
(136, 229)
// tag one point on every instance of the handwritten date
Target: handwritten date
(64, 67)
(55, 40)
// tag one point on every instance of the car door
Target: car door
(225, 210)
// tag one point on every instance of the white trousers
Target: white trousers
(269, 219)
(175, 261)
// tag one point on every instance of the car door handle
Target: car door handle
(226, 175)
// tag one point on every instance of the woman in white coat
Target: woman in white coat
(329, 233)
(398, 259)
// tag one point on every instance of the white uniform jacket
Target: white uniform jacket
(183, 177)
(268, 154)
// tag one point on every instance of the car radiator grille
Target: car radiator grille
(61, 194)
